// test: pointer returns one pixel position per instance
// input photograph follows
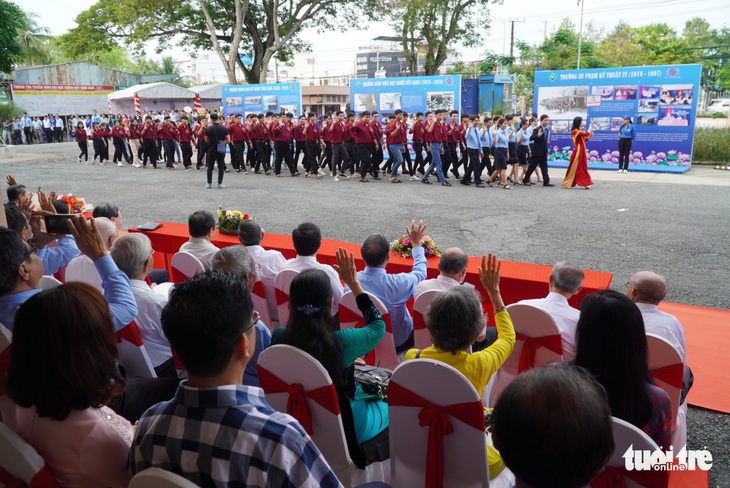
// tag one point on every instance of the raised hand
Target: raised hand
(489, 273)
(10, 179)
(88, 238)
(415, 232)
(46, 204)
(345, 267)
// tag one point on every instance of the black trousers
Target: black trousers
(408, 162)
(141, 393)
(49, 134)
(169, 147)
(58, 134)
(327, 156)
(28, 138)
(312, 154)
(240, 163)
(538, 161)
(474, 166)
(486, 160)
(300, 148)
(363, 158)
(451, 158)
(283, 152)
(376, 158)
(149, 146)
(352, 155)
(84, 147)
(99, 149)
(263, 153)
(339, 158)
(624, 152)
(215, 157)
(202, 154)
(187, 153)
(118, 149)
(418, 149)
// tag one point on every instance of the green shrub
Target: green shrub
(712, 144)
(718, 115)
(9, 110)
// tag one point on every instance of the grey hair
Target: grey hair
(567, 277)
(130, 252)
(233, 259)
(455, 319)
(106, 227)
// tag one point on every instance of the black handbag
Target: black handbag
(373, 381)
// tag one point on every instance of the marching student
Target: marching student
(148, 133)
(185, 136)
(81, 140)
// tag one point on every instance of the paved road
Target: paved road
(677, 225)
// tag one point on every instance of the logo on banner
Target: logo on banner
(553, 77)
(449, 81)
(358, 84)
(292, 86)
(673, 72)
(646, 460)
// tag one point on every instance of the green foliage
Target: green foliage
(718, 115)
(712, 144)
(34, 39)
(9, 110)
(11, 51)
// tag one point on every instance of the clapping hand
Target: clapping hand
(415, 232)
(345, 267)
(46, 205)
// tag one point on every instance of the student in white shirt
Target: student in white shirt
(565, 281)
(132, 254)
(201, 226)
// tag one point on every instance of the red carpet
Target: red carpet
(689, 479)
(708, 335)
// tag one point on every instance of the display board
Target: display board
(661, 101)
(410, 94)
(40, 100)
(267, 97)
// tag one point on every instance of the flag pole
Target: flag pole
(580, 32)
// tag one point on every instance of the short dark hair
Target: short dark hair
(16, 219)
(306, 238)
(108, 210)
(64, 352)
(419, 114)
(454, 112)
(547, 407)
(15, 191)
(61, 206)
(543, 117)
(204, 319)
(214, 116)
(12, 252)
(364, 113)
(375, 249)
(249, 233)
(200, 223)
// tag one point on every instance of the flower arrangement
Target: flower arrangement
(403, 247)
(228, 220)
(75, 204)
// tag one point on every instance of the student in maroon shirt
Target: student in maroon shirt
(300, 142)
(238, 140)
(202, 143)
(337, 132)
(185, 137)
(453, 135)
(81, 140)
(327, 139)
(135, 143)
(350, 145)
(418, 142)
(97, 137)
(118, 141)
(312, 138)
(281, 130)
(396, 134)
(364, 140)
(436, 136)
(251, 149)
(377, 148)
(166, 134)
(148, 133)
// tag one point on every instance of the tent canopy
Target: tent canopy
(159, 90)
(209, 92)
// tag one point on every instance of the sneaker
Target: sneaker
(320, 172)
(207, 187)
(343, 175)
(120, 164)
(188, 168)
(620, 171)
(244, 171)
(335, 178)
(221, 186)
(138, 166)
(414, 178)
(445, 183)
(626, 171)
(238, 170)
(79, 160)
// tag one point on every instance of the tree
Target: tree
(263, 28)
(34, 39)
(433, 27)
(11, 51)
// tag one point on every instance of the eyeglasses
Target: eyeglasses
(254, 318)
(256, 268)
(33, 249)
(628, 285)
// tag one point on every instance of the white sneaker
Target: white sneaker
(335, 178)
(320, 172)
(620, 171)
(79, 160)
(414, 178)
(120, 163)
(626, 171)
(138, 165)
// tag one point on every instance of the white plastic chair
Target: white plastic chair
(295, 367)
(464, 451)
(384, 355)
(530, 323)
(164, 289)
(627, 436)
(667, 369)
(6, 338)
(282, 283)
(260, 304)
(159, 478)
(48, 282)
(184, 266)
(132, 354)
(421, 335)
(22, 462)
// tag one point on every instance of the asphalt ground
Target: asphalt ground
(676, 225)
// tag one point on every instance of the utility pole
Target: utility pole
(580, 32)
(512, 37)
(544, 35)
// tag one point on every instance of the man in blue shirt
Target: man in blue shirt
(394, 290)
(474, 152)
(17, 139)
(26, 124)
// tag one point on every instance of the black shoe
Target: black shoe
(480, 185)
(445, 183)
(376, 177)
(547, 184)
(465, 183)
(456, 174)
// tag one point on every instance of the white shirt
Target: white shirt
(664, 325)
(301, 263)
(82, 269)
(440, 283)
(565, 317)
(46, 123)
(202, 249)
(271, 263)
(59, 123)
(149, 309)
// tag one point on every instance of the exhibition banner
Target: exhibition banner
(267, 97)
(39, 99)
(410, 94)
(661, 101)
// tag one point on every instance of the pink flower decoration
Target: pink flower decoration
(406, 242)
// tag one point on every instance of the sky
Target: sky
(334, 52)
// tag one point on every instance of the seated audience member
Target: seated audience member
(111, 212)
(452, 272)
(16, 221)
(17, 194)
(394, 290)
(548, 407)
(61, 206)
(21, 269)
(306, 239)
(312, 329)
(61, 378)
(217, 432)
(612, 347)
(270, 261)
(565, 281)
(132, 254)
(455, 319)
(201, 226)
(82, 267)
(237, 260)
(647, 290)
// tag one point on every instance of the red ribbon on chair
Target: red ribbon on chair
(419, 322)
(672, 374)
(532, 344)
(4, 364)
(296, 405)
(436, 418)
(613, 477)
(347, 315)
(177, 276)
(281, 297)
(43, 479)
(130, 334)
(258, 289)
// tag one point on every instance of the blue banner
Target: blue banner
(661, 101)
(411, 94)
(268, 97)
